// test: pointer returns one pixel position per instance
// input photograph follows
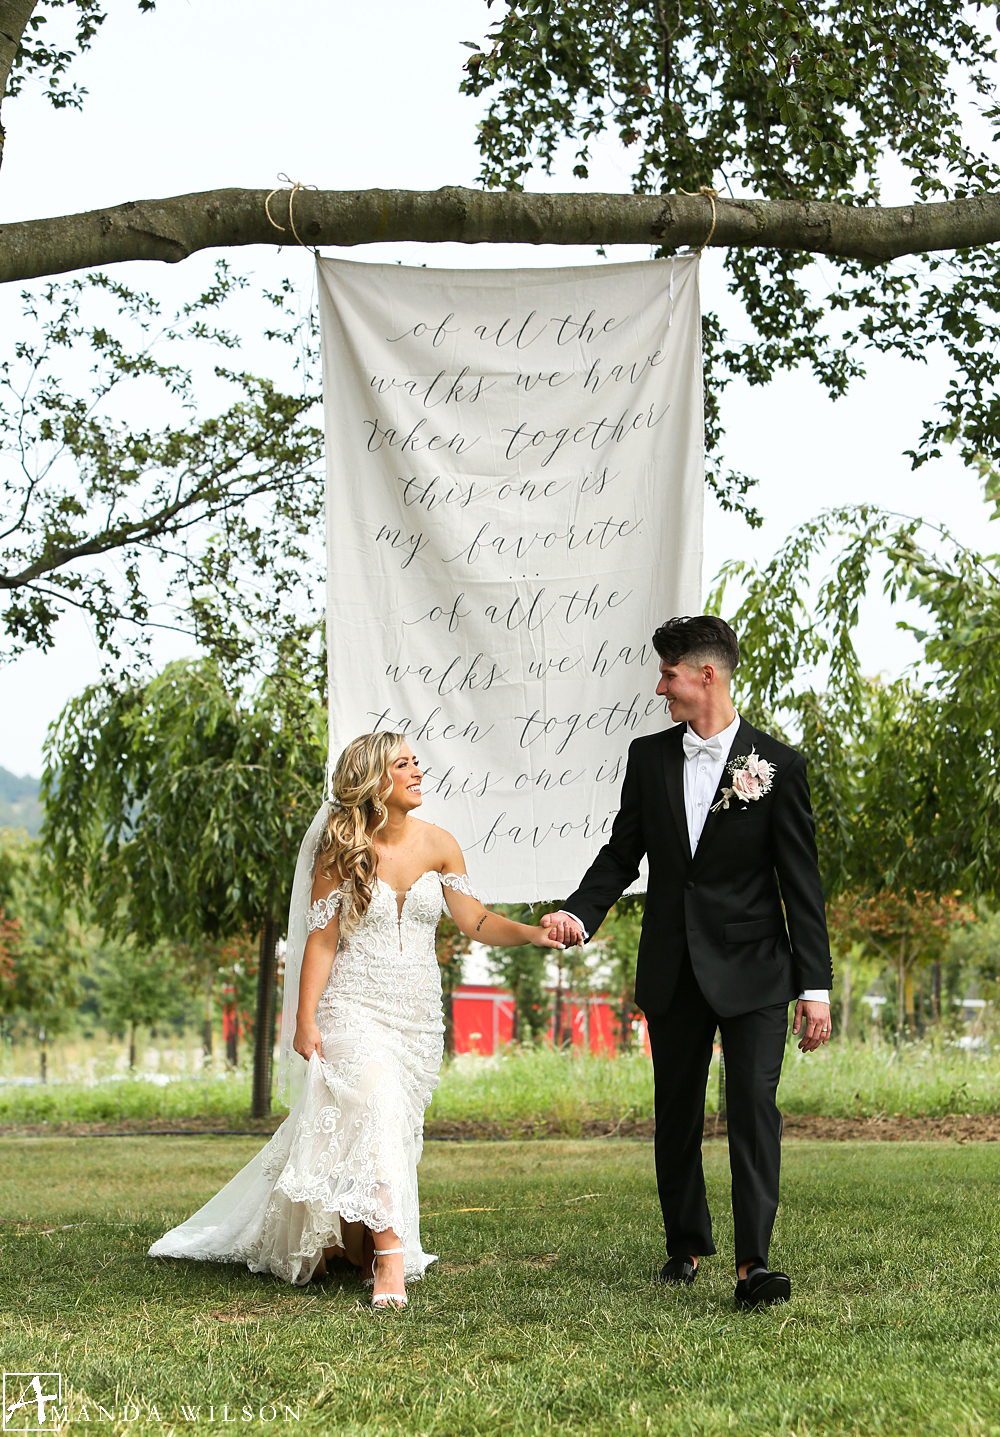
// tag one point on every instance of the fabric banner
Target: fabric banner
(515, 478)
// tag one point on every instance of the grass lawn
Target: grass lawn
(542, 1315)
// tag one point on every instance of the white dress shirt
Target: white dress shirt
(703, 770)
(704, 764)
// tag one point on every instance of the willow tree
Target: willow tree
(178, 806)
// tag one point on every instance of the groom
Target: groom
(722, 812)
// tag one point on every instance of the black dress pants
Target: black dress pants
(753, 1044)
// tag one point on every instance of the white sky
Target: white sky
(341, 95)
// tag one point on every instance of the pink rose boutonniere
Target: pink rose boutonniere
(752, 778)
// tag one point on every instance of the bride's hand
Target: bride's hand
(307, 1040)
(541, 937)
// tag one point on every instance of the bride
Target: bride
(362, 1006)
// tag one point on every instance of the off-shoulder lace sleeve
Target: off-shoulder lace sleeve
(324, 910)
(459, 882)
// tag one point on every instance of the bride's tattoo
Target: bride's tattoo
(481, 921)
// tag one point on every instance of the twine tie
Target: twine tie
(711, 195)
(291, 188)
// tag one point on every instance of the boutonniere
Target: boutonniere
(752, 778)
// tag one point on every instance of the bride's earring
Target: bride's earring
(378, 809)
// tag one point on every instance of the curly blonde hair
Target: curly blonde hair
(361, 783)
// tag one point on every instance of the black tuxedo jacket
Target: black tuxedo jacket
(723, 904)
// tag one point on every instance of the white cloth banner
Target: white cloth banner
(515, 477)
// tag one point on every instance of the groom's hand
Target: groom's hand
(561, 926)
(814, 1020)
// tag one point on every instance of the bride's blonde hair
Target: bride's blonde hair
(361, 784)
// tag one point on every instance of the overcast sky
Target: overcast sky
(341, 95)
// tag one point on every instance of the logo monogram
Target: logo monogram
(26, 1399)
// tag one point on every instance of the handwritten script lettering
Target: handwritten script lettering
(514, 504)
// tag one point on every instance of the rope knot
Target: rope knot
(291, 188)
(711, 195)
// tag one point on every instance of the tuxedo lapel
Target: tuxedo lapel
(673, 773)
(742, 744)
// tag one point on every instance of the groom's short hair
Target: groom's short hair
(701, 640)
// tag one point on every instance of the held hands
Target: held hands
(543, 937)
(566, 932)
(814, 1020)
(307, 1040)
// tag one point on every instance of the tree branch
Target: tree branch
(206, 500)
(171, 229)
(14, 16)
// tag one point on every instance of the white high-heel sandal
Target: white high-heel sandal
(387, 1299)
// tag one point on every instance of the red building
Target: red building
(484, 1020)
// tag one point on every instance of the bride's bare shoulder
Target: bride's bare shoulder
(441, 849)
(327, 878)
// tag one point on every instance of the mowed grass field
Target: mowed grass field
(542, 1315)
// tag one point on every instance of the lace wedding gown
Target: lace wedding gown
(349, 1148)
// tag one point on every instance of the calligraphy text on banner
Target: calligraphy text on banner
(514, 503)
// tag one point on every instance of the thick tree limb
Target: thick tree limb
(14, 16)
(171, 229)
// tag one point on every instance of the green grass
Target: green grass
(543, 1088)
(127, 1098)
(542, 1316)
(848, 1080)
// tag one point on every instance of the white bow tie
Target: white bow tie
(693, 746)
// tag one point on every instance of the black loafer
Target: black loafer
(678, 1272)
(760, 1288)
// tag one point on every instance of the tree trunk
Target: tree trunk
(171, 229)
(936, 991)
(911, 1007)
(43, 1056)
(448, 1003)
(206, 1022)
(845, 1001)
(131, 1046)
(263, 1036)
(900, 992)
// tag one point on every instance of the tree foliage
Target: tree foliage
(178, 805)
(46, 59)
(523, 972)
(779, 100)
(904, 928)
(42, 950)
(30, 50)
(138, 987)
(217, 505)
(905, 775)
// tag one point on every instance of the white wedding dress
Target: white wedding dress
(349, 1148)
